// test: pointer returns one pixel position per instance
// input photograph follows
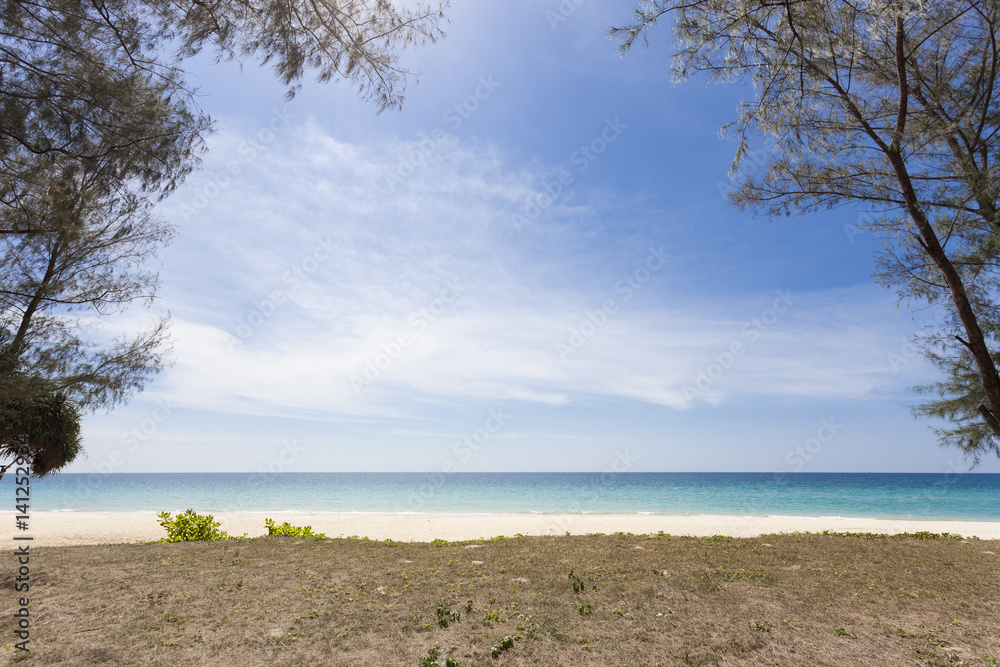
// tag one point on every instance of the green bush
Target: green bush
(504, 644)
(431, 659)
(191, 527)
(292, 531)
(446, 615)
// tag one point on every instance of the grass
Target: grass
(576, 600)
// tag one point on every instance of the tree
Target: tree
(47, 424)
(890, 105)
(96, 125)
(102, 81)
(88, 263)
(91, 259)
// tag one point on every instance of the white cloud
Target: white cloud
(312, 265)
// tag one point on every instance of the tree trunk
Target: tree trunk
(928, 239)
(976, 342)
(17, 344)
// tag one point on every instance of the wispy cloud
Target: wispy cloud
(324, 290)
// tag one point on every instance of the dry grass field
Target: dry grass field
(577, 600)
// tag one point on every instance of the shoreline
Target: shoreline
(53, 528)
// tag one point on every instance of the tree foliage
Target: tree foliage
(97, 124)
(889, 105)
(102, 83)
(47, 422)
(91, 262)
(356, 40)
(87, 259)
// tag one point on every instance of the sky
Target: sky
(531, 267)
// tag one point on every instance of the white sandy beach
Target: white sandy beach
(79, 528)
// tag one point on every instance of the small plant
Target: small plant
(920, 535)
(431, 659)
(190, 526)
(491, 617)
(283, 639)
(933, 639)
(757, 626)
(719, 538)
(445, 615)
(503, 645)
(584, 609)
(290, 530)
(578, 585)
(841, 632)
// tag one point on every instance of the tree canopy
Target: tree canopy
(890, 106)
(103, 83)
(97, 124)
(48, 423)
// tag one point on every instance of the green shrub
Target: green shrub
(292, 531)
(431, 659)
(189, 526)
(578, 585)
(444, 615)
(504, 644)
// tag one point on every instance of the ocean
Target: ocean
(964, 496)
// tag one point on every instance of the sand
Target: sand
(80, 528)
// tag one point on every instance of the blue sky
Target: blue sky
(531, 267)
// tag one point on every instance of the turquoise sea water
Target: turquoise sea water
(855, 495)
